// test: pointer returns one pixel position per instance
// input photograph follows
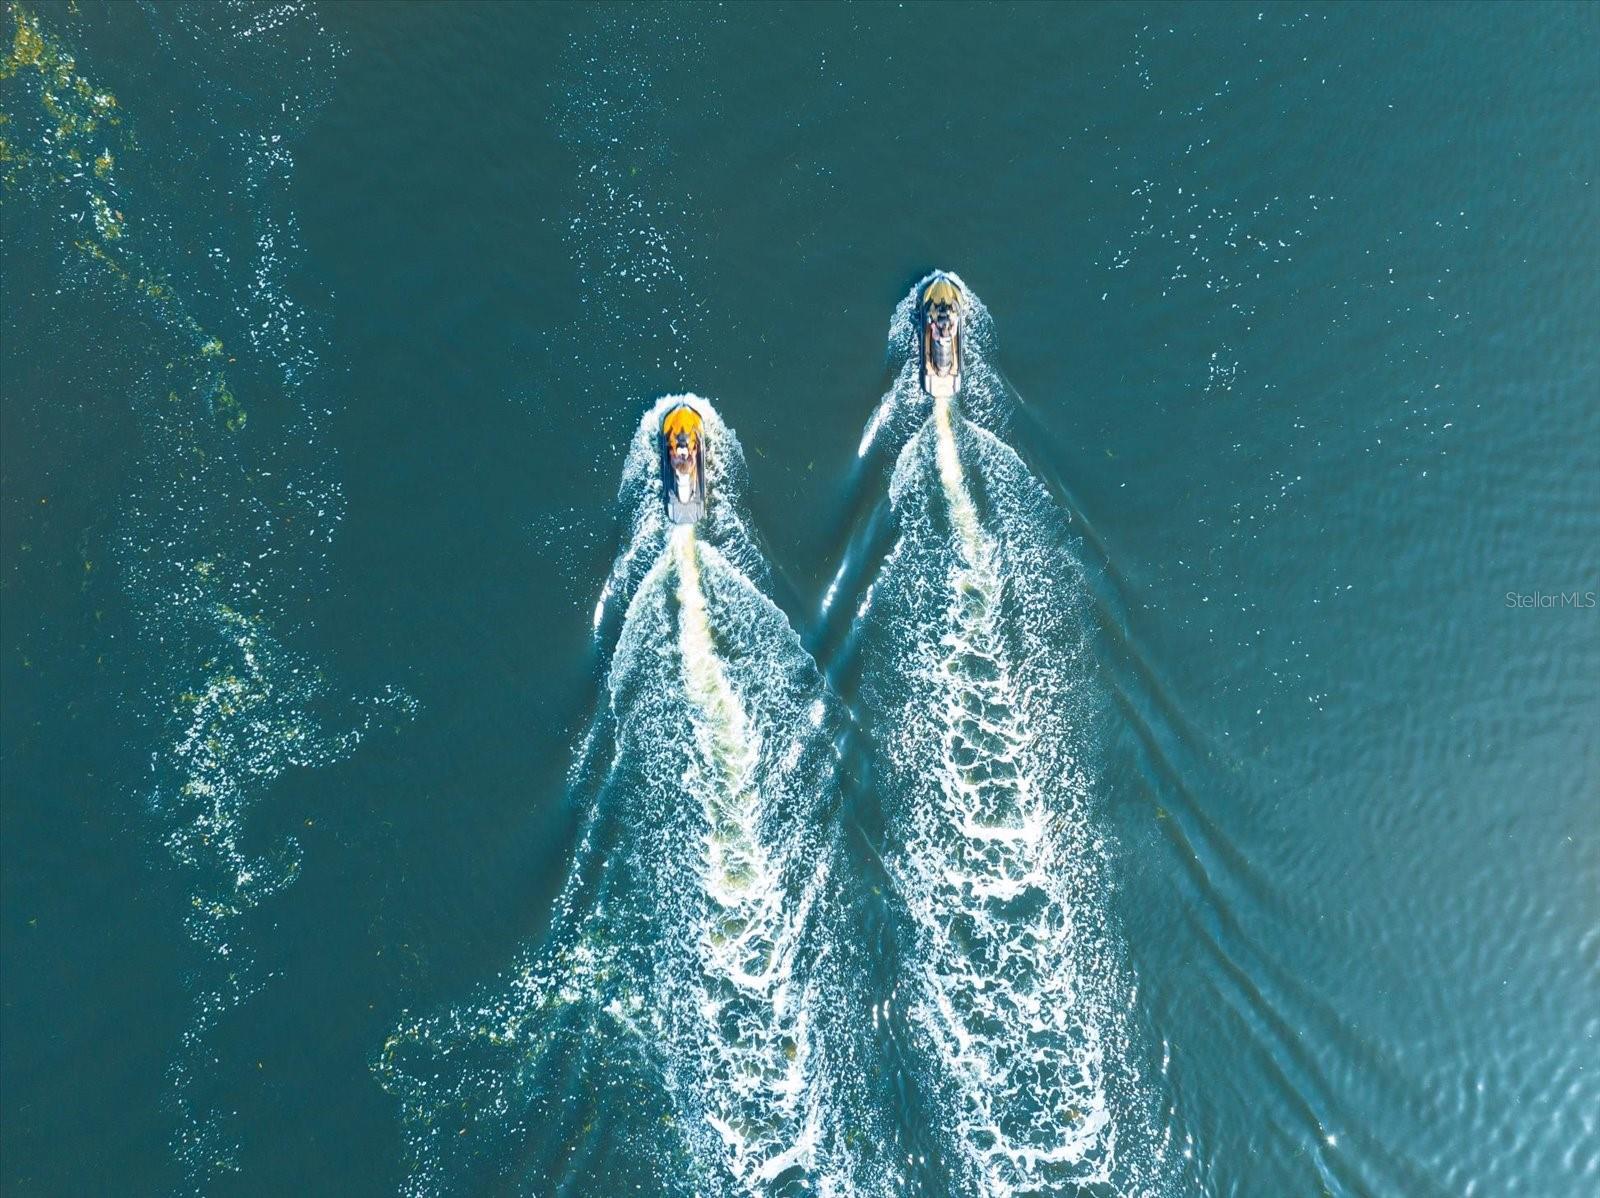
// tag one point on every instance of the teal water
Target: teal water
(1170, 770)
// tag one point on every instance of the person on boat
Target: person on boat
(941, 307)
(681, 434)
(681, 454)
(944, 328)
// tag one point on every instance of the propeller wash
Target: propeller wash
(681, 1026)
(980, 692)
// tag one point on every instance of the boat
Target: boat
(940, 307)
(683, 464)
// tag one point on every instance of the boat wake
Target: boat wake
(980, 702)
(695, 965)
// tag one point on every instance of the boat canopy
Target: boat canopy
(941, 291)
(682, 419)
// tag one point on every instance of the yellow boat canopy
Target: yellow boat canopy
(941, 291)
(682, 419)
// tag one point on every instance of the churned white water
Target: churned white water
(981, 694)
(694, 938)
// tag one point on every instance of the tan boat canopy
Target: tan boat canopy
(941, 291)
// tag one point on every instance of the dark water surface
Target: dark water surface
(1171, 771)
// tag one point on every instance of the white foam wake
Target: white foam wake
(747, 1039)
(696, 930)
(977, 677)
